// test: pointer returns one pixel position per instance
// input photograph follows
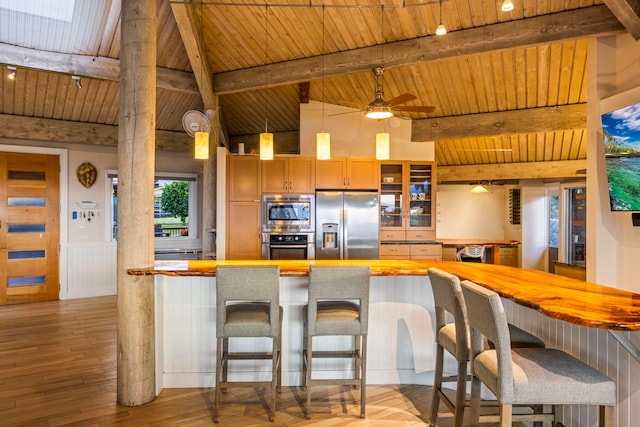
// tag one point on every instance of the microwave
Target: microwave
(288, 212)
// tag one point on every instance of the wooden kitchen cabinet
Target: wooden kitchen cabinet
(347, 173)
(243, 230)
(243, 208)
(407, 201)
(243, 178)
(289, 175)
(431, 251)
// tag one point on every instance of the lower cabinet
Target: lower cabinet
(243, 230)
(430, 251)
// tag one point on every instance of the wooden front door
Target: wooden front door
(29, 227)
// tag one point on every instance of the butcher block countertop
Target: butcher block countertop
(575, 301)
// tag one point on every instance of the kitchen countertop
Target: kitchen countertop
(575, 301)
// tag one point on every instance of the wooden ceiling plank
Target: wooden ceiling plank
(544, 119)
(578, 88)
(553, 76)
(627, 12)
(497, 71)
(568, 50)
(531, 76)
(88, 66)
(572, 24)
(542, 94)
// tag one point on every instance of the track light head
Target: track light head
(12, 71)
(77, 80)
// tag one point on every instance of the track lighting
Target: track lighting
(78, 82)
(12, 71)
(507, 6)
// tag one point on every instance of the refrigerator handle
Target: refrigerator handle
(345, 230)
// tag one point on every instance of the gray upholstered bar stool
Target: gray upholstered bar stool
(247, 305)
(338, 305)
(527, 376)
(454, 337)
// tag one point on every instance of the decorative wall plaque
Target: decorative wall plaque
(87, 174)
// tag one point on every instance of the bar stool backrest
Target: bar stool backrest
(248, 284)
(330, 283)
(487, 318)
(448, 298)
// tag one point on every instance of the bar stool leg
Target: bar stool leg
(363, 386)
(309, 344)
(461, 393)
(437, 384)
(216, 407)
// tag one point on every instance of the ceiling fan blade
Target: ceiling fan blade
(401, 99)
(415, 109)
(344, 112)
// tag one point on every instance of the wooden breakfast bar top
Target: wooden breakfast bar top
(574, 301)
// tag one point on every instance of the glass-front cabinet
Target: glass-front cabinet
(407, 200)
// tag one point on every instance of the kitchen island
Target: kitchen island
(401, 338)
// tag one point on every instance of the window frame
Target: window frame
(194, 183)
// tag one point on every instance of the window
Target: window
(576, 220)
(174, 206)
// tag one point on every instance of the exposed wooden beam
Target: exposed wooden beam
(506, 171)
(628, 13)
(192, 40)
(532, 120)
(89, 66)
(82, 133)
(573, 24)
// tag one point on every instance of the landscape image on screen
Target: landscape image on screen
(621, 129)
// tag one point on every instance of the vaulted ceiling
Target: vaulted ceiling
(507, 87)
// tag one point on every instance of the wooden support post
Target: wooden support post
(209, 170)
(136, 164)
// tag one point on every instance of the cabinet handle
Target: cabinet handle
(344, 181)
(349, 181)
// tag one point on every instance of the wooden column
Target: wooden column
(136, 164)
(209, 192)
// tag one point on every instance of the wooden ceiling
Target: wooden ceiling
(508, 87)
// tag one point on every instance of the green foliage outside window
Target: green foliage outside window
(175, 199)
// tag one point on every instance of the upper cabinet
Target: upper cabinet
(243, 178)
(347, 173)
(407, 200)
(288, 175)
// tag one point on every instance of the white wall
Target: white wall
(535, 226)
(613, 242)
(465, 215)
(88, 255)
(353, 135)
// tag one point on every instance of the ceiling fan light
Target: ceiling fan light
(378, 114)
(507, 6)
(441, 30)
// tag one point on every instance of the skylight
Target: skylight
(60, 9)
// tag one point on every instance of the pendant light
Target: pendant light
(479, 188)
(507, 6)
(382, 146)
(441, 30)
(323, 139)
(382, 138)
(201, 137)
(266, 138)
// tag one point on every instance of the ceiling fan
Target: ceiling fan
(381, 109)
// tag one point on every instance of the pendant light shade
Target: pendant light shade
(266, 146)
(382, 146)
(201, 145)
(441, 30)
(479, 188)
(323, 146)
(507, 6)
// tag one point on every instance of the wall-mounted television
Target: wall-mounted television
(621, 132)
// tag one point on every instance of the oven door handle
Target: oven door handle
(288, 246)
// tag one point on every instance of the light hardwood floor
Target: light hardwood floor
(58, 368)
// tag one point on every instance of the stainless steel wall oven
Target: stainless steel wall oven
(288, 226)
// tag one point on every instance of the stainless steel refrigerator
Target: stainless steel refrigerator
(347, 225)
